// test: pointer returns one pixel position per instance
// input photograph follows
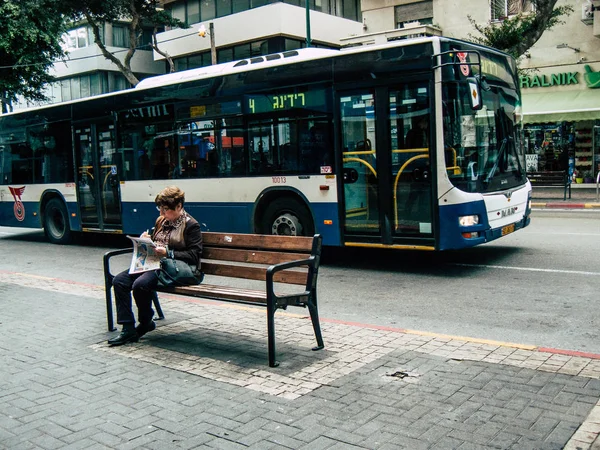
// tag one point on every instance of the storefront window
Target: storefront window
(570, 146)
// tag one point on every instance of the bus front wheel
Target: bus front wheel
(56, 222)
(287, 217)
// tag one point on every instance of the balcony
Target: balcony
(382, 37)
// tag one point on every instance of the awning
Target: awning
(569, 106)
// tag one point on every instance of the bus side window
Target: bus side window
(21, 164)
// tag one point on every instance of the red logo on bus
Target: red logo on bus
(464, 68)
(19, 208)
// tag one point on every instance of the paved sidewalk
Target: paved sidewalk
(201, 380)
(582, 197)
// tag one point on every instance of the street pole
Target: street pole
(307, 23)
(213, 48)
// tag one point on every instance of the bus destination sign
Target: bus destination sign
(285, 101)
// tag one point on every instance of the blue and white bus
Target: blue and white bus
(297, 143)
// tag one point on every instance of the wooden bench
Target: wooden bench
(290, 260)
(551, 178)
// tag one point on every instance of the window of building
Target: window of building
(501, 9)
(193, 12)
(196, 11)
(243, 51)
(240, 5)
(225, 55)
(177, 11)
(351, 10)
(421, 12)
(120, 35)
(258, 3)
(78, 87)
(322, 6)
(207, 10)
(78, 38)
(224, 8)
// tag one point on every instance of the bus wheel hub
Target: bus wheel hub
(287, 225)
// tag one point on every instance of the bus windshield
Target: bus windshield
(482, 150)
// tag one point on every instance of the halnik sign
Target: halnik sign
(591, 78)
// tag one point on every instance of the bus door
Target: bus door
(387, 182)
(98, 168)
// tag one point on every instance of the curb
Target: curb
(560, 205)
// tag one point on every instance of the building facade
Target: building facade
(86, 72)
(561, 96)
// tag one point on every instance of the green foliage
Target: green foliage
(516, 34)
(30, 40)
(137, 13)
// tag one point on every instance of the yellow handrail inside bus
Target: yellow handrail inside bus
(360, 211)
(362, 161)
(360, 152)
(410, 160)
(454, 167)
(412, 150)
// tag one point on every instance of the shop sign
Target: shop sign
(555, 79)
(591, 78)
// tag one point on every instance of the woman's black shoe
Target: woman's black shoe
(124, 337)
(142, 329)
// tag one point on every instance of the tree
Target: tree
(517, 34)
(30, 41)
(138, 13)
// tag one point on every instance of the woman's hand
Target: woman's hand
(161, 251)
(145, 235)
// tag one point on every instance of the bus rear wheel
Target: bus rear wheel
(287, 217)
(56, 222)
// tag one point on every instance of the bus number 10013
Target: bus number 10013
(279, 180)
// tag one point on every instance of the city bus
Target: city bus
(414, 144)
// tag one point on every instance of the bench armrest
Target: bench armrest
(311, 262)
(108, 256)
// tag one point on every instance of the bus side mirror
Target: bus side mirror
(475, 93)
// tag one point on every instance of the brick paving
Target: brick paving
(201, 380)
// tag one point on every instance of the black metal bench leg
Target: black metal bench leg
(314, 317)
(159, 310)
(108, 295)
(271, 332)
(109, 309)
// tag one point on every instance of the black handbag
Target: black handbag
(174, 272)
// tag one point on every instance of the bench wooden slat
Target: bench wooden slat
(551, 178)
(250, 256)
(253, 273)
(258, 241)
(554, 178)
(221, 292)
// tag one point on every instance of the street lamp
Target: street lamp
(211, 33)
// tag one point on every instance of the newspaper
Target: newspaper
(144, 255)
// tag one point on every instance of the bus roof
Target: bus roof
(254, 63)
(271, 60)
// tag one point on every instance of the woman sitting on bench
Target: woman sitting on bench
(179, 231)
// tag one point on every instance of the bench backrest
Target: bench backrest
(249, 255)
(558, 177)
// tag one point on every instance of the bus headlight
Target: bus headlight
(467, 221)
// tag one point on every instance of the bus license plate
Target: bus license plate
(508, 229)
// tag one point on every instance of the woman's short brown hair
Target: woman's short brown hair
(171, 196)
